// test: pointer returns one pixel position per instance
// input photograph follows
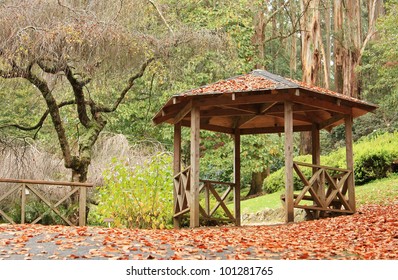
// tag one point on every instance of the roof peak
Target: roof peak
(273, 77)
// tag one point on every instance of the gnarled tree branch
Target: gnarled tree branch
(41, 121)
(77, 87)
(54, 113)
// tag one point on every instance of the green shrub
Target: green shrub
(374, 156)
(139, 197)
(276, 181)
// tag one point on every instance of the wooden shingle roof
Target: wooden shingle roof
(254, 102)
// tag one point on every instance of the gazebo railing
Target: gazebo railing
(23, 188)
(209, 188)
(182, 190)
(326, 189)
(214, 195)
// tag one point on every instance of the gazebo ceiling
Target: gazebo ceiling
(254, 103)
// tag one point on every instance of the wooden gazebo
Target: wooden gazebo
(261, 102)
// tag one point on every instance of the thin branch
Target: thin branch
(276, 12)
(295, 23)
(118, 12)
(67, 7)
(161, 16)
(123, 93)
(41, 121)
(150, 96)
(371, 31)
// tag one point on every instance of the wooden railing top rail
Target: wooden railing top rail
(182, 171)
(52, 183)
(322, 166)
(217, 182)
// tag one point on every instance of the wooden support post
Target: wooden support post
(350, 161)
(316, 160)
(237, 177)
(316, 146)
(23, 203)
(289, 206)
(176, 168)
(207, 198)
(82, 205)
(195, 142)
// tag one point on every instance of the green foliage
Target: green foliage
(379, 72)
(276, 181)
(35, 208)
(257, 153)
(139, 196)
(373, 156)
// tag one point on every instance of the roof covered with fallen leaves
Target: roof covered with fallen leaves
(257, 99)
(261, 80)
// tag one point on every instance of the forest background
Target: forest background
(80, 82)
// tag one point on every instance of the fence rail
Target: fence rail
(326, 189)
(24, 185)
(209, 188)
(182, 185)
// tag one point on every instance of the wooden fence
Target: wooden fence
(326, 190)
(208, 189)
(22, 187)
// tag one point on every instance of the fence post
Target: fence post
(207, 198)
(23, 203)
(82, 206)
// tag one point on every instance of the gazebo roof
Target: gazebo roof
(254, 103)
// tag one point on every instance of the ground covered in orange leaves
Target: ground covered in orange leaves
(372, 233)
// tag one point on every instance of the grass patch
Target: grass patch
(259, 203)
(382, 191)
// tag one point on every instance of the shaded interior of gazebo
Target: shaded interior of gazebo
(261, 102)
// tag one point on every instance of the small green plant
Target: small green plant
(137, 196)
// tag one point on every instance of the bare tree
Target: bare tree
(82, 48)
(84, 56)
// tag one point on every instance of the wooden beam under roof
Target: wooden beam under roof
(297, 117)
(211, 127)
(277, 129)
(247, 108)
(331, 121)
(220, 112)
(261, 111)
(183, 112)
(321, 104)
